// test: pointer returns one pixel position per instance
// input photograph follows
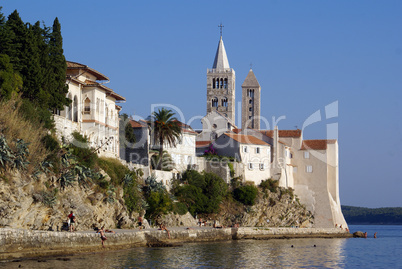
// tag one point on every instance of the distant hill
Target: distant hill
(364, 215)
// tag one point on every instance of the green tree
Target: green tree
(56, 66)
(10, 81)
(166, 130)
(246, 194)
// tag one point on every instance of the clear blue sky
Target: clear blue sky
(305, 54)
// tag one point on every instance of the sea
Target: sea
(385, 251)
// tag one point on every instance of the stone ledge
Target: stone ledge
(19, 243)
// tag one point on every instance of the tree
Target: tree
(10, 81)
(166, 130)
(56, 67)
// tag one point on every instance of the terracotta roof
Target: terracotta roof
(107, 89)
(246, 139)
(318, 144)
(77, 66)
(236, 130)
(283, 133)
(137, 124)
(201, 144)
(186, 128)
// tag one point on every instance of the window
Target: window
(262, 166)
(250, 166)
(225, 83)
(225, 102)
(306, 155)
(250, 109)
(309, 169)
(249, 117)
(245, 149)
(257, 150)
(215, 102)
(250, 101)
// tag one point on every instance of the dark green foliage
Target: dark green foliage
(232, 171)
(84, 155)
(179, 208)
(21, 155)
(6, 154)
(10, 81)
(36, 115)
(32, 63)
(50, 143)
(13, 159)
(159, 203)
(66, 179)
(203, 193)
(246, 194)
(270, 184)
(129, 133)
(373, 216)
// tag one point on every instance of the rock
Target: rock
(358, 234)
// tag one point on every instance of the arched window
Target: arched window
(225, 83)
(215, 102)
(75, 109)
(225, 102)
(87, 106)
(221, 86)
(217, 83)
(213, 83)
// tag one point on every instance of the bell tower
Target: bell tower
(251, 102)
(221, 84)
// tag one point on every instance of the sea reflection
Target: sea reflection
(274, 253)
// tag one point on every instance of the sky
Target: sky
(340, 58)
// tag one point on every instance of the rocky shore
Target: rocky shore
(20, 243)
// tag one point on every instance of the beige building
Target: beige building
(93, 111)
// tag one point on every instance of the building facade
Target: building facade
(93, 111)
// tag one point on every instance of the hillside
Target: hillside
(378, 216)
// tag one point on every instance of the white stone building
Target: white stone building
(93, 111)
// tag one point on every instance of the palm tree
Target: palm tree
(166, 130)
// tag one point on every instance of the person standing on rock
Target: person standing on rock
(102, 236)
(71, 222)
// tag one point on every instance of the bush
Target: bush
(246, 194)
(50, 143)
(179, 208)
(114, 168)
(270, 184)
(159, 203)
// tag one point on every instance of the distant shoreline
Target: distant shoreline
(19, 243)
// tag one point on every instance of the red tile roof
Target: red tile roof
(236, 130)
(75, 66)
(318, 144)
(201, 144)
(246, 139)
(283, 133)
(137, 124)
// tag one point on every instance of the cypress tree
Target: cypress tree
(57, 68)
(10, 82)
(16, 32)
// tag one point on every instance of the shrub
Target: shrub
(246, 194)
(159, 203)
(114, 168)
(180, 208)
(232, 171)
(270, 184)
(50, 143)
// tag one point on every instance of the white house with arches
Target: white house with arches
(93, 111)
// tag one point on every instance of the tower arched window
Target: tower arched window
(217, 83)
(225, 83)
(225, 102)
(215, 102)
(221, 80)
(213, 83)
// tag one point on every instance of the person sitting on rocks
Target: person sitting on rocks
(71, 222)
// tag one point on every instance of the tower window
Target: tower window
(225, 83)
(250, 93)
(250, 109)
(216, 83)
(225, 102)
(213, 83)
(221, 86)
(250, 101)
(215, 102)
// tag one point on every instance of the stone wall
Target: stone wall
(18, 243)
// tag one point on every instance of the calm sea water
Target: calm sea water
(383, 252)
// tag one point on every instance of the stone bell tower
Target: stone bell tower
(251, 102)
(221, 84)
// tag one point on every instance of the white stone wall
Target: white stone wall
(183, 154)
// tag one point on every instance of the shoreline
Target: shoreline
(20, 243)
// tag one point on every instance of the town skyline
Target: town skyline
(305, 56)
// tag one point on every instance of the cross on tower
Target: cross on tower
(221, 26)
